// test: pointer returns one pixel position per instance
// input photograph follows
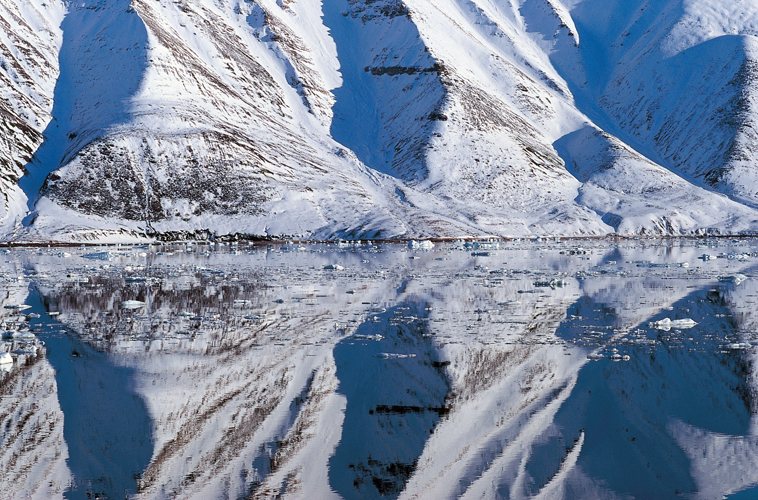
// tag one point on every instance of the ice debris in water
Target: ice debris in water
(98, 256)
(376, 337)
(5, 358)
(620, 357)
(392, 355)
(132, 304)
(420, 245)
(738, 345)
(736, 279)
(553, 283)
(18, 334)
(667, 324)
(334, 267)
(18, 307)
(482, 245)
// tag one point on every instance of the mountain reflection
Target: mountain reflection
(105, 424)
(395, 387)
(625, 410)
(366, 371)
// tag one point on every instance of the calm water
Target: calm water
(580, 369)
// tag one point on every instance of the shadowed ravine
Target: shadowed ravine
(106, 39)
(385, 108)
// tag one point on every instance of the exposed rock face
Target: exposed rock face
(385, 118)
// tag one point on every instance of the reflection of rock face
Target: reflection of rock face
(105, 423)
(261, 374)
(389, 373)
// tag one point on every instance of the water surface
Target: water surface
(526, 369)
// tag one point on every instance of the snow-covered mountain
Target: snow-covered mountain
(382, 118)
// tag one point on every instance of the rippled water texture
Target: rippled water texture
(574, 369)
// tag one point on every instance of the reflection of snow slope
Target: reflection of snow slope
(33, 452)
(721, 464)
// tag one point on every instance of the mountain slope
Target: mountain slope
(385, 118)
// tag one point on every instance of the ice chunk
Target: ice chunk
(393, 355)
(738, 345)
(132, 304)
(486, 245)
(420, 245)
(5, 358)
(18, 307)
(30, 350)
(98, 256)
(736, 279)
(553, 283)
(376, 337)
(18, 335)
(667, 324)
(334, 267)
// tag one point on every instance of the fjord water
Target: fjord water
(518, 369)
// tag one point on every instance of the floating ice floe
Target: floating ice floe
(18, 335)
(483, 254)
(30, 350)
(737, 256)
(553, 283)
(578, 251)
(132, 304)
(667, 324)
(393, 355)
(738, 345)
(485, 245)
(98, 256)
(376, 337)
(333, 267)
(18, 307)
(420, 245)
(620, 357)
(6, 358)
(736, 279)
